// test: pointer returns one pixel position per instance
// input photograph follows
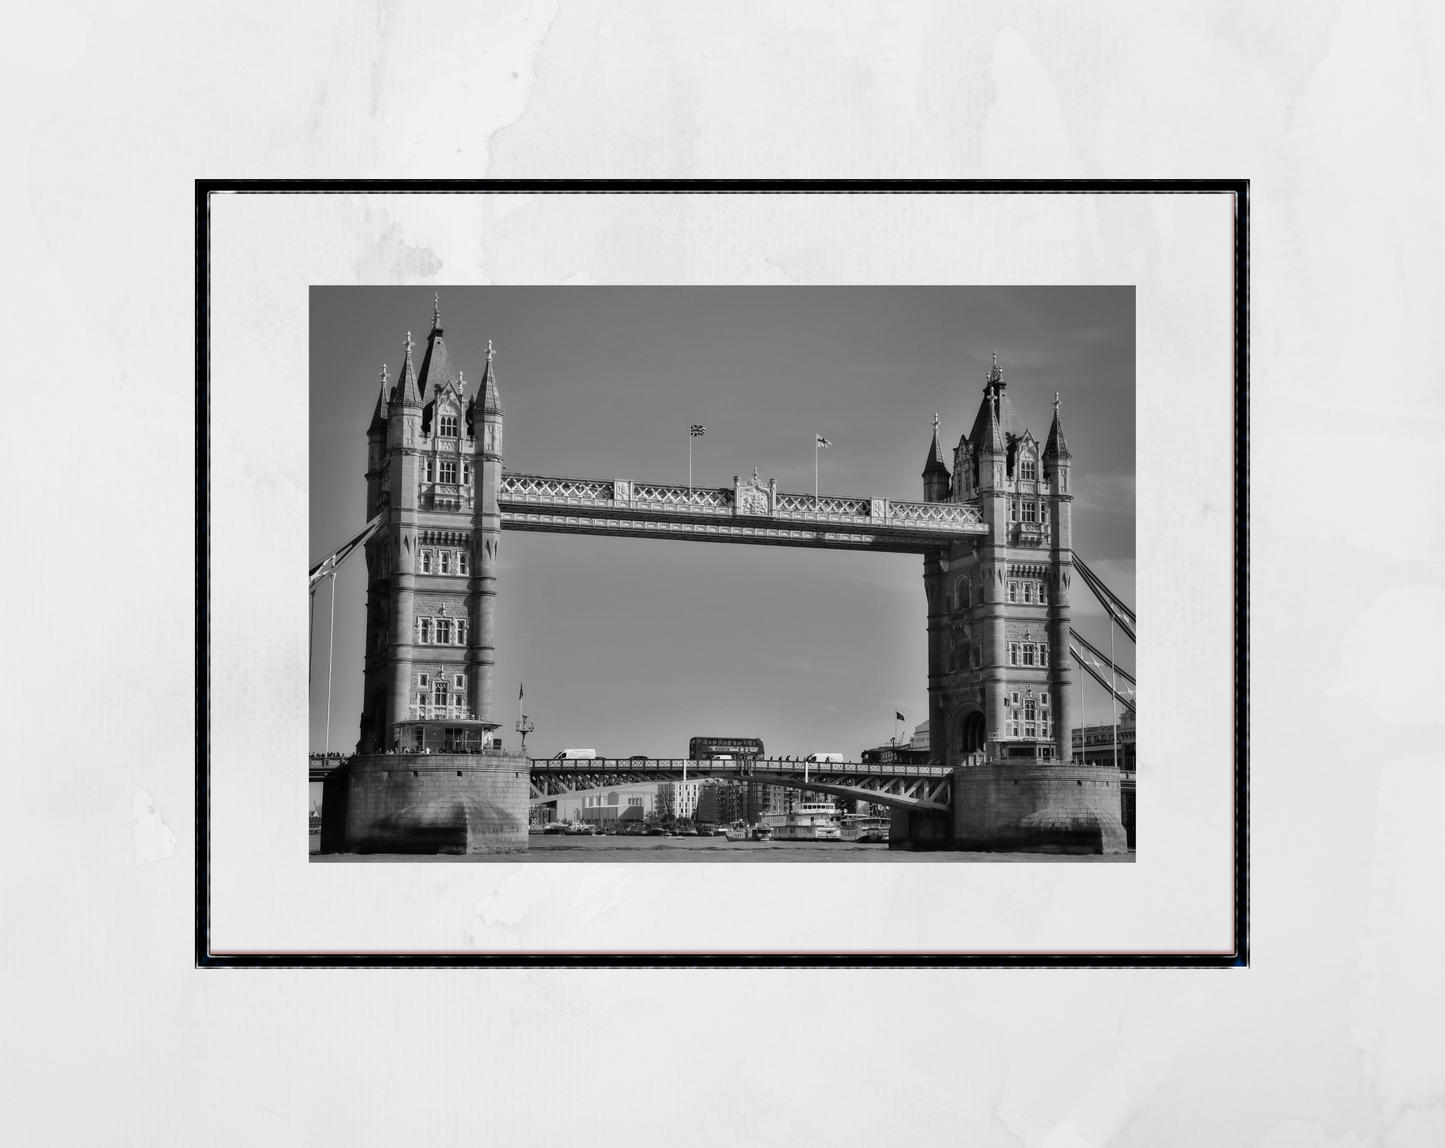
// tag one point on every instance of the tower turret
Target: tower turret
(935, 471)
(1056, 467)
(488, 527)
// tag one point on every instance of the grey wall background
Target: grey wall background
(1332, 1040)
(633, 646)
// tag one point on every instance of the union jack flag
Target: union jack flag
(698, 430)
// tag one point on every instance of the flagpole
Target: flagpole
(689, 460)
(815, 471)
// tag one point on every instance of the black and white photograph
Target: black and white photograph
(719, 574)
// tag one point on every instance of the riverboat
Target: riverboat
(865, 829)
(807, 821)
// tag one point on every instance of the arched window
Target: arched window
(1026, 470)
(449, 425)
(425, 631)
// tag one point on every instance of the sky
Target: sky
(635, 645)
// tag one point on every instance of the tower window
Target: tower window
(427, 470)
(1043, 654)
(448, 472)
(444, 632)
(1027, 471)
(466, 474)
(422, 680)
(461, 632)
(446, 558)
(1028, 653)
(439, 692)
(426, 631)
(1031, 512)
(463, 563)
(1013, 511)
(449, 425)
(426, 561)
(1013, 591)
(1013, 657)
(1028, 592)
(460, 681)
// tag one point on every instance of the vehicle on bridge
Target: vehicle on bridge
(724, 748)
(576, 755)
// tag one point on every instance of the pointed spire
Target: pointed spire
(991, 437)
(995, 374)
(436, 368)
(406, 389)
(935, 453)
(436, 312)
(378, 415)
(490, 395)
(1056, 447)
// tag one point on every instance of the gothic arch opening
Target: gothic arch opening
(966, 736)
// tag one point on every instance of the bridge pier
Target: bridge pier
(1039, 807)
(426, 803)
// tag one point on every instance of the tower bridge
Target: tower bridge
(994, 528)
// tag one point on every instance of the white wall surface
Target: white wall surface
(1332, 1039)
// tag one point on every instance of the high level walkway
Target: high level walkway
(750, 511)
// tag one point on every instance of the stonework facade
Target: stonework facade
(434, 462)
(998, 606)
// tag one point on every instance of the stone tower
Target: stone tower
(434, 462)
(998, 607)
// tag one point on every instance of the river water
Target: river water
(633, 850)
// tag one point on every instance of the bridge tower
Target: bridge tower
(434, 459)
(998, 606)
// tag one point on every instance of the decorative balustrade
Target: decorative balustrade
(537, 488)
(949, 513)
(682, 496)
(821, 506)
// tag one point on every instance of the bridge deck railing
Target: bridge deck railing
(735, 769)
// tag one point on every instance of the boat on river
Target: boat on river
(865, 828)
(807, 821)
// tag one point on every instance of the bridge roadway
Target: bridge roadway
(750, 511)
(894, 784)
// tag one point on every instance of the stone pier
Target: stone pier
(1039, 807)
(426, 803)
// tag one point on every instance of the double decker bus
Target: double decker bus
(707, 748)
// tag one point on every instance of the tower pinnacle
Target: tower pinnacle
(436, 311)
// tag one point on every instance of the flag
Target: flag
(899, 716)
(698, 430)
(822, 441)
(519, 691)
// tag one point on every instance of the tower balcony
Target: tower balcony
(446, 497)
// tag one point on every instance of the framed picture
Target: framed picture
(722, 573)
